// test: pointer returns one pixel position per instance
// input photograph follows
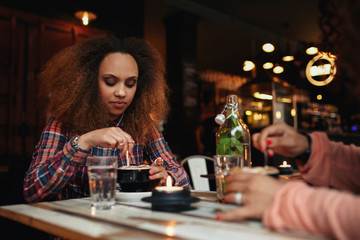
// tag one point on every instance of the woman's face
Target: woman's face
(118, 76)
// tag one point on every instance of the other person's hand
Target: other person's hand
(282, 139)
(257, 192)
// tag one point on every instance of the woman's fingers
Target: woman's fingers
(235, 197)
(158, 162)
(111, 137)
(237, 214)
(253, 192)
(123, 140)
(238, 182)
(158, 172)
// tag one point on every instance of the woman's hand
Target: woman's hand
(282, 139)
(111, 137)
(158, 171)
(257, 193)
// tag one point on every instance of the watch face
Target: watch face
(75, 143)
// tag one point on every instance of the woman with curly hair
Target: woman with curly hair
(104, 96)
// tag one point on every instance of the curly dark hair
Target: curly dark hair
(69, 86)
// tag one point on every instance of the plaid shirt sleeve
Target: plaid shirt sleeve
(158, 147)
(57, 170)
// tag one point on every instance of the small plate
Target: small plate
(131, 196)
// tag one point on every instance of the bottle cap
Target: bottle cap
(220, 119)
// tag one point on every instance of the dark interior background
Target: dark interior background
(192, 36)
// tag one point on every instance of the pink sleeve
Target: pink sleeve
(299, 207)
(332, 164)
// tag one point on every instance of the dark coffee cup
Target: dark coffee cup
(134, 178)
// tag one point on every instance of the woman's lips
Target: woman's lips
(118, 104)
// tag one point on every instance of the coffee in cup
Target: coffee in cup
(134, 178)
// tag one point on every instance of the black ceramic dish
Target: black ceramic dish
(176, 201)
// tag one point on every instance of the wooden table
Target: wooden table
(76, 219)
(295, 175)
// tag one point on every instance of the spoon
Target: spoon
(266, 157)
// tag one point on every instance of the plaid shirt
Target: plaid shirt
(58, 171)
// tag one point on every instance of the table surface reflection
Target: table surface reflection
(76, 219)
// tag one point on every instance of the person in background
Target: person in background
(206, 130)
(105, 96)
(331, 206)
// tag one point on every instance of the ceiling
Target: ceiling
(228, 30)
(295, 20)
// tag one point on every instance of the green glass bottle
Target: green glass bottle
(233, 135)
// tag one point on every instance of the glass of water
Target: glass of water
(222, 166)
(102, 172)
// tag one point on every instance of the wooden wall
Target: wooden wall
(26, 43)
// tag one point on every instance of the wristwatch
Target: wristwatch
(304, 157)
(75, 143)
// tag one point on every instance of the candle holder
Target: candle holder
(170, 201)
(285, 169)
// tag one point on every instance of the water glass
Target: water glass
(222, 166)
(102, 171)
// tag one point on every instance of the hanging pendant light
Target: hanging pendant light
(85, 16)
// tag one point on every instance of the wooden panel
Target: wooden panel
(5, 42)
(5, 73)
(53, 41)
(26, 43)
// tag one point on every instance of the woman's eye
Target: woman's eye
(109, 81)
(131, 83)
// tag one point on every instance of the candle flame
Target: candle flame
(284, 163)
(168, 181)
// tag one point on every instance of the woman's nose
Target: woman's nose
(120, 92)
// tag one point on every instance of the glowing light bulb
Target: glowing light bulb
(268, 47)
(85, 18)
(288, 58)
(312, 50)
(268, 65)
(278, 69)
(248, 65)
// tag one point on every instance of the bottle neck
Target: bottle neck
(232, 109)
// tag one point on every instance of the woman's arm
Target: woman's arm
(158, 147)
(332, 164)
(55, 163)
(296, 206)
(293, 205)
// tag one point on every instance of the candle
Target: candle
(170, 198)
(285, 168)
(168, 188)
